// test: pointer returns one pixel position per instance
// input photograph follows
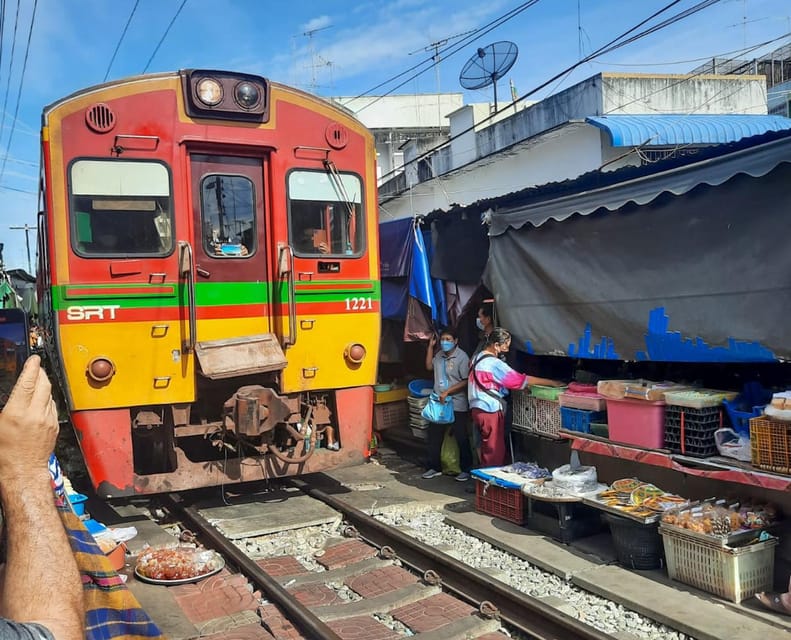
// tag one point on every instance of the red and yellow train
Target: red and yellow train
(209, 279)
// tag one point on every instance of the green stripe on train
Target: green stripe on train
(207, 294)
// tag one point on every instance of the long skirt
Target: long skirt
(491, 427)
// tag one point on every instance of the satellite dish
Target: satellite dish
(488, 65)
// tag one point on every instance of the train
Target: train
(208, 279)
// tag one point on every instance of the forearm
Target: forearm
(546, 382)
(459, 386)
(42, 583)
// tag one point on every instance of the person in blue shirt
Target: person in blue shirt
(451, 366)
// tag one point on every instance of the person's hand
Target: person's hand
(443, 397)
(323, 248)
(432, 340)
(28, 423)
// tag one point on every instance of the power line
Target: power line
(614, 44)
(164, 35)
(19, 93)
(120, 40)
(445, 53)
(455, 49)
(10, 65)
(2, 27)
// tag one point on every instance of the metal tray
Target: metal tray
(592, 502)
(217, 559)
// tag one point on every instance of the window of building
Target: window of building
(325, 213)
(228, 215)
(120, 208)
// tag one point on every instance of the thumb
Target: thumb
(26, 383)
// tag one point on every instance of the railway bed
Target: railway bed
(397, 489)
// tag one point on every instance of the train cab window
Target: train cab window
(325, 214)
(228, 215)
(120, 208)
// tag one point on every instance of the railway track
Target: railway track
(438, 582)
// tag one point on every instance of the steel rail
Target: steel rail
(298, 614)
(528, 614)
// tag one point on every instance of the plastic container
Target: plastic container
(734, 573)
(535, 415)
(420, 388)
(578, 419)
(564, 521)
(748, 404)
(500, 498)
(600, 429)
(691, 431)
(770, 444)
(391, 395)
(586, 401)
(390, 414)
(698, 398)
(546, 393)
(637, 546)
(77, 501)
(637, 422)
(421, 433)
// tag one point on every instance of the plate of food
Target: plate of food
(626, 485)
(177, 565)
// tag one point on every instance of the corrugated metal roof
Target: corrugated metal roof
(670, 130)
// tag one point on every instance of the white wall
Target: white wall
(560, 154)
(410, 111)
(641, 94)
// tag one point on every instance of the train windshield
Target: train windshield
(120, 208)
(325, 213)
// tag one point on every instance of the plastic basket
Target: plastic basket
(747, 405)
(546, 393)
(733, 573)
(579, 419)
(500, 502)
(637, 546)
(690, 431)
(698, 398)
(390, 414)
(535, 415)
(421, 433)
(770, 444)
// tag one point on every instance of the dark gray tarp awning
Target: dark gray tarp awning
(693, 266)
(755, 161)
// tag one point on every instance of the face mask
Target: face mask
(447, 345)
(479, 323)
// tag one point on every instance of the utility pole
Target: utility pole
(27, 229)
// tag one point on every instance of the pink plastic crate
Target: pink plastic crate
(637, 422)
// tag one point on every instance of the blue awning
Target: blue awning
(670, 130)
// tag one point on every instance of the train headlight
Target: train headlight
(247, 95)
(209, 91)
(354, 353)
(100, 369)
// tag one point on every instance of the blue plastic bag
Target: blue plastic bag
(437, 411)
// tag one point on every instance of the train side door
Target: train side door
(234, 326)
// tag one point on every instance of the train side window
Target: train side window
(228, 215)
(120, 208)
(325, 214)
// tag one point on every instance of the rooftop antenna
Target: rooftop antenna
(435, 47)
(487, 65)
(313, 63)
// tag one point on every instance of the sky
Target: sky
(331, 48)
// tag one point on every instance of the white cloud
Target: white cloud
(317, 23)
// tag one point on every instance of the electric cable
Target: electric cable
(164, 35)
(19, 93)
(120, 40)
(444, 54)
(10, 65)
(614, 44)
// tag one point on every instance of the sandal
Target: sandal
(774, 602)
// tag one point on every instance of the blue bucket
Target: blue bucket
(77, 501)
(421, 388)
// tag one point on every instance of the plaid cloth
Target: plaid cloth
(111, 610)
